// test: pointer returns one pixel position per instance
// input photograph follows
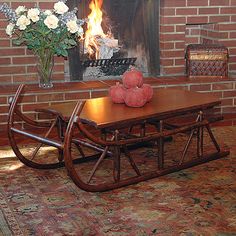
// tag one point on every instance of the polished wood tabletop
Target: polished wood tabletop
(166, 103)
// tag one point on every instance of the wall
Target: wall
(17, 64)
(177, 17)
(34, 97)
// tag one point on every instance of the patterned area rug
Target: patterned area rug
(197, 201)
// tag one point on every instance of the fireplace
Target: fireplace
(135, 25)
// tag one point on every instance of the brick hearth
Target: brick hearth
(35, 97)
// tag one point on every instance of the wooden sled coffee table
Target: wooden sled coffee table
(100, 125)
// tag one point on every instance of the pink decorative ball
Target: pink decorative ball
(117, 93)
(135, 97)
(148, 91)
(132, 78)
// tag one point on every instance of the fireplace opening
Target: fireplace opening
(133, 31)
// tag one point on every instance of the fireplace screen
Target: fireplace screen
(118, 34)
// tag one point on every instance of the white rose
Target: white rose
(72, 26)
(20, 10)
(60, 7)
(47, 13)
(33, 14)
(80, 31)
(51, 22)
(22, 22)
(10, 28)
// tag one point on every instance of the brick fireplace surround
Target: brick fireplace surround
(181, 22)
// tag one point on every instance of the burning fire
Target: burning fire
(97, 43)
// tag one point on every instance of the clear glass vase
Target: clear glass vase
(45, 63)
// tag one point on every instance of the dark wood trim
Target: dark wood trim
(75, 67)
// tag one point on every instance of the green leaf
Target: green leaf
(18, 42)
(37, 42)
(63, 46)
(64, 53)
(73, 42)
(29, 46)
(66, 41)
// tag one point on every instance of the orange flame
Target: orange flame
(94, 27)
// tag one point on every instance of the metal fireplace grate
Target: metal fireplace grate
(109, 62)
(109, 67)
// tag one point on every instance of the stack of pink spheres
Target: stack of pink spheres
(133, 92)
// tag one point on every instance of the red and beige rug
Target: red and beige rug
(197, 201)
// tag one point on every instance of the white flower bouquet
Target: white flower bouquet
(45, 32)
(57, 29)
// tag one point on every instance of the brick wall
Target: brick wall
(182, 22)
(34, 97)
(191, 21)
